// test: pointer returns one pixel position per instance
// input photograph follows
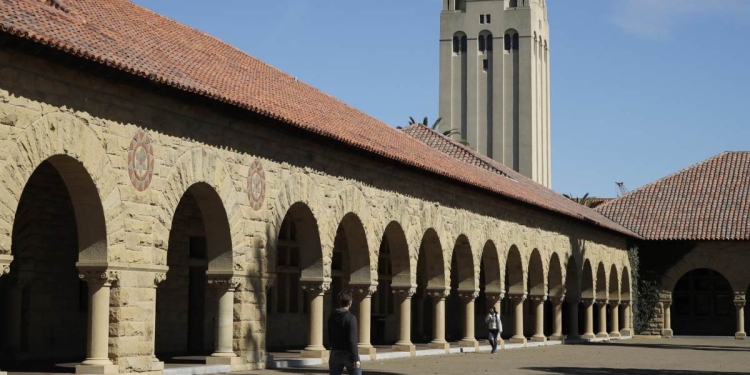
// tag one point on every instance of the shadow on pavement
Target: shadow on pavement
(689, 347)
(325, 371)
(610, 371)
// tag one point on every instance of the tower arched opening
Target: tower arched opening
(703, 305)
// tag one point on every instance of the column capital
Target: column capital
(269, 281)
(4, 269)
(602, 302)
(517, 297)
(365, 290)
(224, 282)
(588, 301)
(614, 303)
(159, 277)
(468, 295)
(403, 292)
(665, 297)
(316, 287)
(438, 293)
(739, 299)
(625, 303)
(539, 298)
(556, 300)
(102, 277)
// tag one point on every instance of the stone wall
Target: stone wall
(142, 151)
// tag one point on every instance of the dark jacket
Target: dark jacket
(342, 332)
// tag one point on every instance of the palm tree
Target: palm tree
(585, 200)
(436, 127)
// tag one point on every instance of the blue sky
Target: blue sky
(640, 88)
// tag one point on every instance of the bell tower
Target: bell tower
(494, 80)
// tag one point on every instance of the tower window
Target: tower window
(513, 3)
(515, 42)
(489, 42)
(482, 46)
(464, 41)
(485, 64)
(487, 18)
(455, 45)
(481, 19)
(507, 42)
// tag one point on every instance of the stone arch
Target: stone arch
(464, 261)
(537, 283)
(625, 284)
(400, 259)
(555, 277)
(431, 253)
(614, 284)
(75, 151)
(202, 172)
(491, 266)
(308, 240)
(514, 272)
(702, 304)
(360, 272)
(601, 283)
(734, 273)
(587, 281)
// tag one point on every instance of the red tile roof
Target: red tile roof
(125, 36)
(513, 181)
(708, 201)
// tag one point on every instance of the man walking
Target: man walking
(342, 334)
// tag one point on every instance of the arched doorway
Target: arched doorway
(298, 256)
(430, 277)
(702, 305)
(59, 221)
(462, 280)
(186, 307)
(393, 272)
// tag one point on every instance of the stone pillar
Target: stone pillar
(666, 331)
(614, 321)
(573, 319)
(626, 331)
(316, 291)
(602, 306)
(403, 299)
(537, 303)
(364, 294)
(420, 315)
(438, 320)
(588, 303)
(4, 270)
(469, 340)
(517, 301)
(156, 365)
(495, 299)
(557, 303)
(224, 342)
(739, 302)
(97, 343)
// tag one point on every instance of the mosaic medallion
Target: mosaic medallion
(256, 185)
(141, 161)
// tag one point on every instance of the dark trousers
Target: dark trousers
(492, 336)
(340, 359)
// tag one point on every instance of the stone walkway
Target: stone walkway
(640, 356)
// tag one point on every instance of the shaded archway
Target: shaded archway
(430, 276)
(702, 304)
(571, 314)
(556, 294)
(462, 280)
(394, 270)
(537, 292)
(515, 281)
(58, 222)
(602, 297)
(299, 258)
(350, 265)
(625, 306)
(490, 284)
(588, 295)
(199, 245)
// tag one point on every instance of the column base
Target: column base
(614, 335)
(315, 353)
(410, 348)
(368, 350)
(740, 336)
(517, 340)
(602, 335)
(538, 339)
(588, 336)
(231, 361)
(469, 343)
(97, 369)
(557, 338)
(440, 345)
(157, 365)
(626, 332)
(667, 333)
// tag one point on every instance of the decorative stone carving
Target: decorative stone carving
(492, 298)
(363, 291)
(469, 296)
(538, 298)
(4, 269)
(739, 299)
(439, 293)
(588, 301)
(403, 292)
(517, 297)
(225, 282)
(614, 304)
(602, 302)
(556, 300)
(316, 287)
(256, 185)
(141, 161)
(103, 277)
(159, 277)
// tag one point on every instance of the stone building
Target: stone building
(163, 193)
(696, 230)
(494, 80)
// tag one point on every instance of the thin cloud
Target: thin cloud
(661, 18)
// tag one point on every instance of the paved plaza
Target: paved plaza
(680, 356)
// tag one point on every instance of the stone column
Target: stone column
(4, 270)
(602, 306)
(224, 341)
(557, 303)
(403, 298)
(420, 315)
(537, 303)
(438, 320)
(573, 319)
(316, 291)
(626, 331)
(469, 340)
(614, 321)
(667, 332)
(156, 364)
(739, 302)
(495, 299)
(97, 343)
(588, 303)
(517, 301)
(364, 294)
